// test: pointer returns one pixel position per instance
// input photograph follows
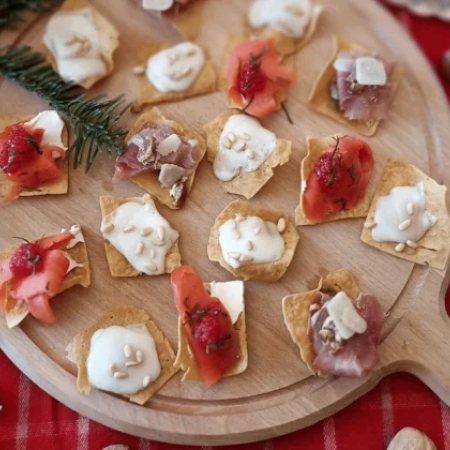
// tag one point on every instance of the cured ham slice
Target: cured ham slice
(152, 148)
(354, 357)
(360, 102)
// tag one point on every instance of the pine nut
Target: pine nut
(158, 242)
(113, 368)
(246, 258)
(225, 142)
(146, 231)
(120, 375)
(138, 70)
(249, 245)
(234, 263)
(231, 137)
(139, 248)
(152, 253)
(239, 218)
(146, 381)
(257, 230)
(400, 247)
(107, 228)
(369, 225)
(239, 146)
(410, 208)
(150, 266)
(160, 231)
(128, 229)
(234, 255)
(404, 225)
(132, 363)
(412, 244)
(281, 225)
(249, 153)
(139, 356)
(127, 350)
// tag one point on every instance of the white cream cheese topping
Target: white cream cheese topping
(72, 38)
(157, 5)
(76, 232)
(53, 125)
(176, 68)
(345, 317)
(243, 145)
(370, 71)
(401, 216)
(250, 240)
(290, 17)
(231, 294)
(72, 263)
(141, 234)
(122, 360)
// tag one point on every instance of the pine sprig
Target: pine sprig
(10, 10)
(94, 122)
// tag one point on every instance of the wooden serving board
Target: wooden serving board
(277, 394)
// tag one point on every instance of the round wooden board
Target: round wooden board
(277, 394)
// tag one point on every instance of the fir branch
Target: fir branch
(10, 10)
(94, 122)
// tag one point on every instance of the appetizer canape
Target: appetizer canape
(211, 327)
(408, 216)
(140, 239)
(34, 272)
(170, 72)
(334, 178)
(253, 77)
(32, 151)
(291, 22)
(253, 243)
(185, 15)
(123, 352)
(161, 156)
(79, 42)
(356, 87)
(243, 152)
(336, 327)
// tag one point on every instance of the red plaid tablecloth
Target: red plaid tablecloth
(31, 420)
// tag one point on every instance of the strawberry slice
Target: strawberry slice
(208, 328)
(255, 77)
(39, 307)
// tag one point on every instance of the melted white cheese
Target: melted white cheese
(108, 349)
(169, 145)
(391, 214)
(290, 17)
(170, 174)
(345, 317)
(231, 294)
(370, 71)
(260, 142)
(131, 222)
(72, 38)
(157, 5)
(76, 232)
(176, 68)
(72, 263)
(53, 125)
(266, 244)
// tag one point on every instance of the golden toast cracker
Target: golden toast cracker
(16, 311)
(108, 36)
(315, 149)
(58, 187)
(123, 315)
(320, 100)
(233, 41)
(287, 45)
(149, 181)
(185, 359)
(434, 247)
(118, 264)
(247, 184)
(188, 21)
(296, 312)
(148, 94)
(270, 272)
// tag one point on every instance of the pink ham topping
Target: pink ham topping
(359, 102)
(354, 357)
(158, 149)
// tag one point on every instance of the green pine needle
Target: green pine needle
(10, 10)
(94, 122)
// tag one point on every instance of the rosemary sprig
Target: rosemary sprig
(10, 10)
(94, 122)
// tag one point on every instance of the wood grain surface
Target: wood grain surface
(276, 395)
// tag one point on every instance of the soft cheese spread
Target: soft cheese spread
(401, 216)
(176, 68)
(122, 360)
(290, 17)
(73, 39)
(141, 234)
(250, 240)
(231, 295)
(243, 145)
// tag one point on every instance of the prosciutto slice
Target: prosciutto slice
(360, 102)
(357, 356)
(145, 154)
